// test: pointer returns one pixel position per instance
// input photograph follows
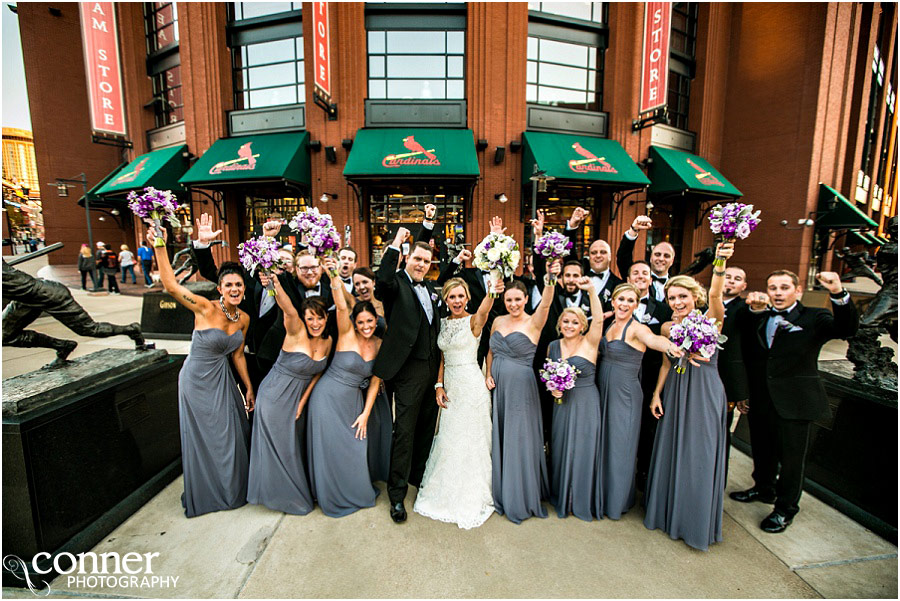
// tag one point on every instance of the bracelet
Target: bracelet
(438, 385)
(721, 273)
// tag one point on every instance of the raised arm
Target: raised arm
(386, 276)
(845, 320)
(596, 331)
(625, 252)
(724, 250)
(293, 323)
(484, 309)
(341, 308)
(194, 302)
(539, 317)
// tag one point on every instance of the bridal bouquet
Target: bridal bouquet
(553, 245)
(156, 205)
(260, 253)
(559, 375)
(318, 232)
(498, 254)
(732, 221)
(696, 334)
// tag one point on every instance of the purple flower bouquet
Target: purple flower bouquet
(553, 245)
(156, 205)
(558, 375)
(318, 232)
(732, 221)
(696, 334)
(260, 253)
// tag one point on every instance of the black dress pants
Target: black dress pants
(779, 454)
(415, 417)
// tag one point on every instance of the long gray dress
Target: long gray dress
(380, 428)
(277, 470)
(215, 432)
(621, 398)
(517, 451)
(575, 444)
(338, 465)
(686, 482)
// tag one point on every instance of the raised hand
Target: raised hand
(264, 279)
(205, 233)
(401, 236)
(641, 222)
(725, 250)
(271, 228)
(463, 256)
(586, 284)
(758, 301)
(830, 281)
(497, 226)
(537, 225)
(556, 268)
(430, 212)
(152, 234)
(330, 263)
(577, 217)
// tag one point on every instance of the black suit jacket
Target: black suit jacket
(731, 358)
(404, 314)
(625, 256)
(787, 375)
(604, 293)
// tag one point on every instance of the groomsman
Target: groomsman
(662, 256)
(348, 262)
(786, 393)
(731, 358)
(596, 264)
(408, 360)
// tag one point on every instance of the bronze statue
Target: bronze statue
(860, 265)
(31, 296)
(190, 264)
(701, 261)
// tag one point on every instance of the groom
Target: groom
(408, 360)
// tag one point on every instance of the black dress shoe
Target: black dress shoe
(750, 495)
(398, 512)
(776, 522)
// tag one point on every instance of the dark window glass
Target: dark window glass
(269, 73)
(586, 11)
(250, 10)
(161, 28)
(416, 64)
(679, 99)
(389, 211)
(167, 91)
(258, 208)
(161, 25)
(682, 55)
(565, 74)
(683, 39)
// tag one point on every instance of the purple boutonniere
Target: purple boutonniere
(787, 326)
(434, 297)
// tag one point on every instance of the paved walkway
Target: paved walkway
(253, 552)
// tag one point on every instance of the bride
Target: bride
(456, 487)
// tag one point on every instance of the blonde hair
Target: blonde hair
(578, 313)
(689, 284)
(453, 283)
(123, 247)
(626, 286)
(86, 251)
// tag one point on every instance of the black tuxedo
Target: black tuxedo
(625, 259)
(786, 392)
(409, 360)
(612, 281)
(732, 371)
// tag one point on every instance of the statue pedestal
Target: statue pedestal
(165, 318)
(84, 446)
(852, 459)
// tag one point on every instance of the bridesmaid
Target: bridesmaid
(277, 467)
(575, 435)
(212, 416)
(686, 483)
(338, 464)
(622, 349)
(517, 452)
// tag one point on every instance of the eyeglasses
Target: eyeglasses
(307, 269)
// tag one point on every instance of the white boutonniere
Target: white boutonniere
(606, 294)
(645, 318)
(434, 297)
(786, 326)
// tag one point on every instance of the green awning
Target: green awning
(859, 238)
(836, 212)
(581, 159)
(160, 169)
(263, 158)
(92, 193)
(412, 152)
(878, 240)
(676, 171)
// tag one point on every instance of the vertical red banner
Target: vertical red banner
(103, 67)
(321, 56)
(655, 58)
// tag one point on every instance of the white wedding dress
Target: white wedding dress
(456, 487)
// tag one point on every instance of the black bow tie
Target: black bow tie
(774, 312)
(645, 300)
(598, 275)
(418, 284)
(661, 280)
(347, 280)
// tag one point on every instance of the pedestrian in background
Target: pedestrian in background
(87, 266)
(126, 263)
(145, 254)
(109, 265)
(98, 258)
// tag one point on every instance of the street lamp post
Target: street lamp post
(62, 187)
(538, 184)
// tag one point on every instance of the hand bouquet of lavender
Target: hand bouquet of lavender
(732, 221)
(696, 334)
(551, 246)
(498, 254)
(156, 205)
(318, 232)
(261, 253)
(559, 375)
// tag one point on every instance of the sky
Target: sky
(15, 95)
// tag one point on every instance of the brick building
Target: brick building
(789, 106)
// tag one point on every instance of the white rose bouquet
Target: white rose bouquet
(498, 254)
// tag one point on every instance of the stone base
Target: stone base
(165, 318)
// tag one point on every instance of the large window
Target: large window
(417, 65)
(566, 44)
(682, 61)
(258, 208)
(267, 54)
(163, 61)
(161, 25)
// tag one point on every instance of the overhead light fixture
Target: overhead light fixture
(440, 196)
(315, 145)
(331, 154)
(481, 144)
(115, 211)
(500, 197)
(326, 196)
(515, 146)
(541, 178)
(396, 196)
(553, 198)
(347, 144)
(101, 218)
(499, 154)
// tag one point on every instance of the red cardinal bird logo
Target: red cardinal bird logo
(411, 144)
(590, 162)
(704, 176)
(244, 154)
(584, 151)
(132, 175)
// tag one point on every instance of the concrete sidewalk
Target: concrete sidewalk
(254, 552)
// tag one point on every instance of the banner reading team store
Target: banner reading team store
(103, 67)
(581, 159)
(422, 152)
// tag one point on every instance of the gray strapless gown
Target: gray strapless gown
(338, 465)
(517, 450)
(686, 482)
(214, 429)
(575, 474)
(621, 399)
(277, 470)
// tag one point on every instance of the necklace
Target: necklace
(237, 312)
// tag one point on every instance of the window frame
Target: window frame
(159, 62)
(682, 65)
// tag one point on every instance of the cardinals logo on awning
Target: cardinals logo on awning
(131, 175)
(246, 161)
(705, 177)
(417, 155)
(590, 162)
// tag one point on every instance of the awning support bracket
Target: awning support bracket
(660, 115)
(702, 214)
(326, 105)
(469, 200)
(617, 203)
(359, 201)
(220, 208)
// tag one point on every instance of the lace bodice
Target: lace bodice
(460, 347)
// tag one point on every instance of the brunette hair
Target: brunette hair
(362, 307)
(573, 263)
(350, 249)
(227, 268)
(795, 279)
(516, 285)
(314, 304)
(365, 272)
(423, 246)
